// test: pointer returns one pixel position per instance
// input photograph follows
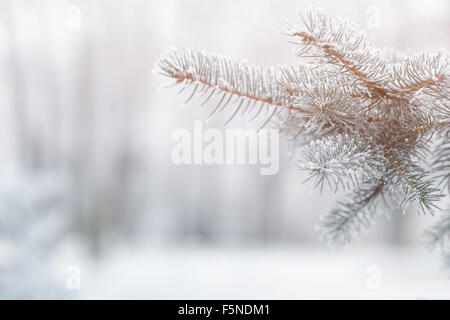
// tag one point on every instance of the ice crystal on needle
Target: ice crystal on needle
(372, 123)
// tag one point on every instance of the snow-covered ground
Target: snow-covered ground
(262, 273)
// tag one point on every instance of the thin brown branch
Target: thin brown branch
(329, 50)
(180, 77)
(420, 85)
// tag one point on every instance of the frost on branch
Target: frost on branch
(372, 123)
(353, 214)
(339, 44)
(342, 161)
(249, 87)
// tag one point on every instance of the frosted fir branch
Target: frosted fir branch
(409, 138)
(362, 120)
(342, 161)
(331, 108)
(253, 86)
(339, 43)
(416, 184)
(425, 73)
(398, 188)
(304, 79)
(352, 215)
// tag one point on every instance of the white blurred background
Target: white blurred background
(87, 184)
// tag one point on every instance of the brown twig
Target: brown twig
(180, 77)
